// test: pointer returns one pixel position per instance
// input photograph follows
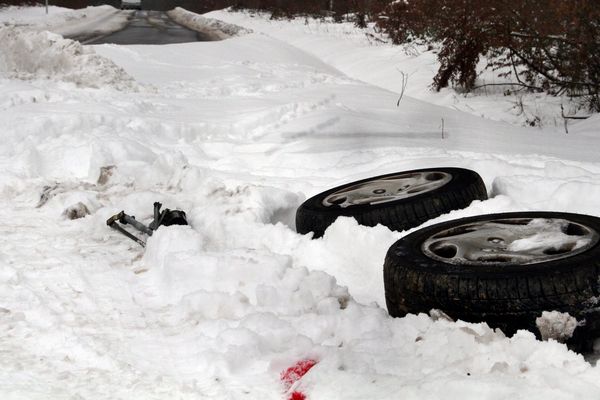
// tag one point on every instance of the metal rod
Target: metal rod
(157, 207)
(128, 219)
(157, 216)
(116, 226)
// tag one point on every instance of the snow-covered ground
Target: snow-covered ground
(238, 133)
(408, 68)
(99, 20)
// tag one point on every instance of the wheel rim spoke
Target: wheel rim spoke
(396, 187)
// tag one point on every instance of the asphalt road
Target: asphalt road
(148, 27)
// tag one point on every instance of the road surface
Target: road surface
(147, 27)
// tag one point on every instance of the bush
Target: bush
(6, 3)
(550, 45)
(556, 45)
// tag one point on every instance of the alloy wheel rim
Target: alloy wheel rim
(385, 190)
(510, 241)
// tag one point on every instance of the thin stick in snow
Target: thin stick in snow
(568, 117)
(404, 83)
(442, 128)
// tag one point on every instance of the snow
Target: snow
(213, 28)
(28, 54)
(238, 133)
(542, 234)
(407, 69)
(30, 15)
(96, 20)
(556, 325)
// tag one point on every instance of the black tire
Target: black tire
(398, 215)
(509, 296)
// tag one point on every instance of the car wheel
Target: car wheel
(399, 201)
(504, 269)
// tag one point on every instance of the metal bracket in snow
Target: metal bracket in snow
(165, 217)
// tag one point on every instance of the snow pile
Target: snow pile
(95, 20)
(260, 311)
(213, 28)
(29, 15)
(556, 325)
(29, 55)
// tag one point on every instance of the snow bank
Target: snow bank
(29, 14)
(27, 54)
(94, 20)
(258, 310)
(215, 29)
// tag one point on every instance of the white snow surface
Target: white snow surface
(94, 20)
(29, 54)
(213, 28)
(385, 65)
(556, 325)
(238, 133)
(30, 15)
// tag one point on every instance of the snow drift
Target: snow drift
(66, 22)
(213, 28)
(30, 55)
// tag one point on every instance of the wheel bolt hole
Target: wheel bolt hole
(337, 200)
(379, 191)
(495, 240)
(574, 230)
(445, 251)
(434, 176)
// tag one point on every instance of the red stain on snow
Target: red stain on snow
(297, 396)
(293, 374)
